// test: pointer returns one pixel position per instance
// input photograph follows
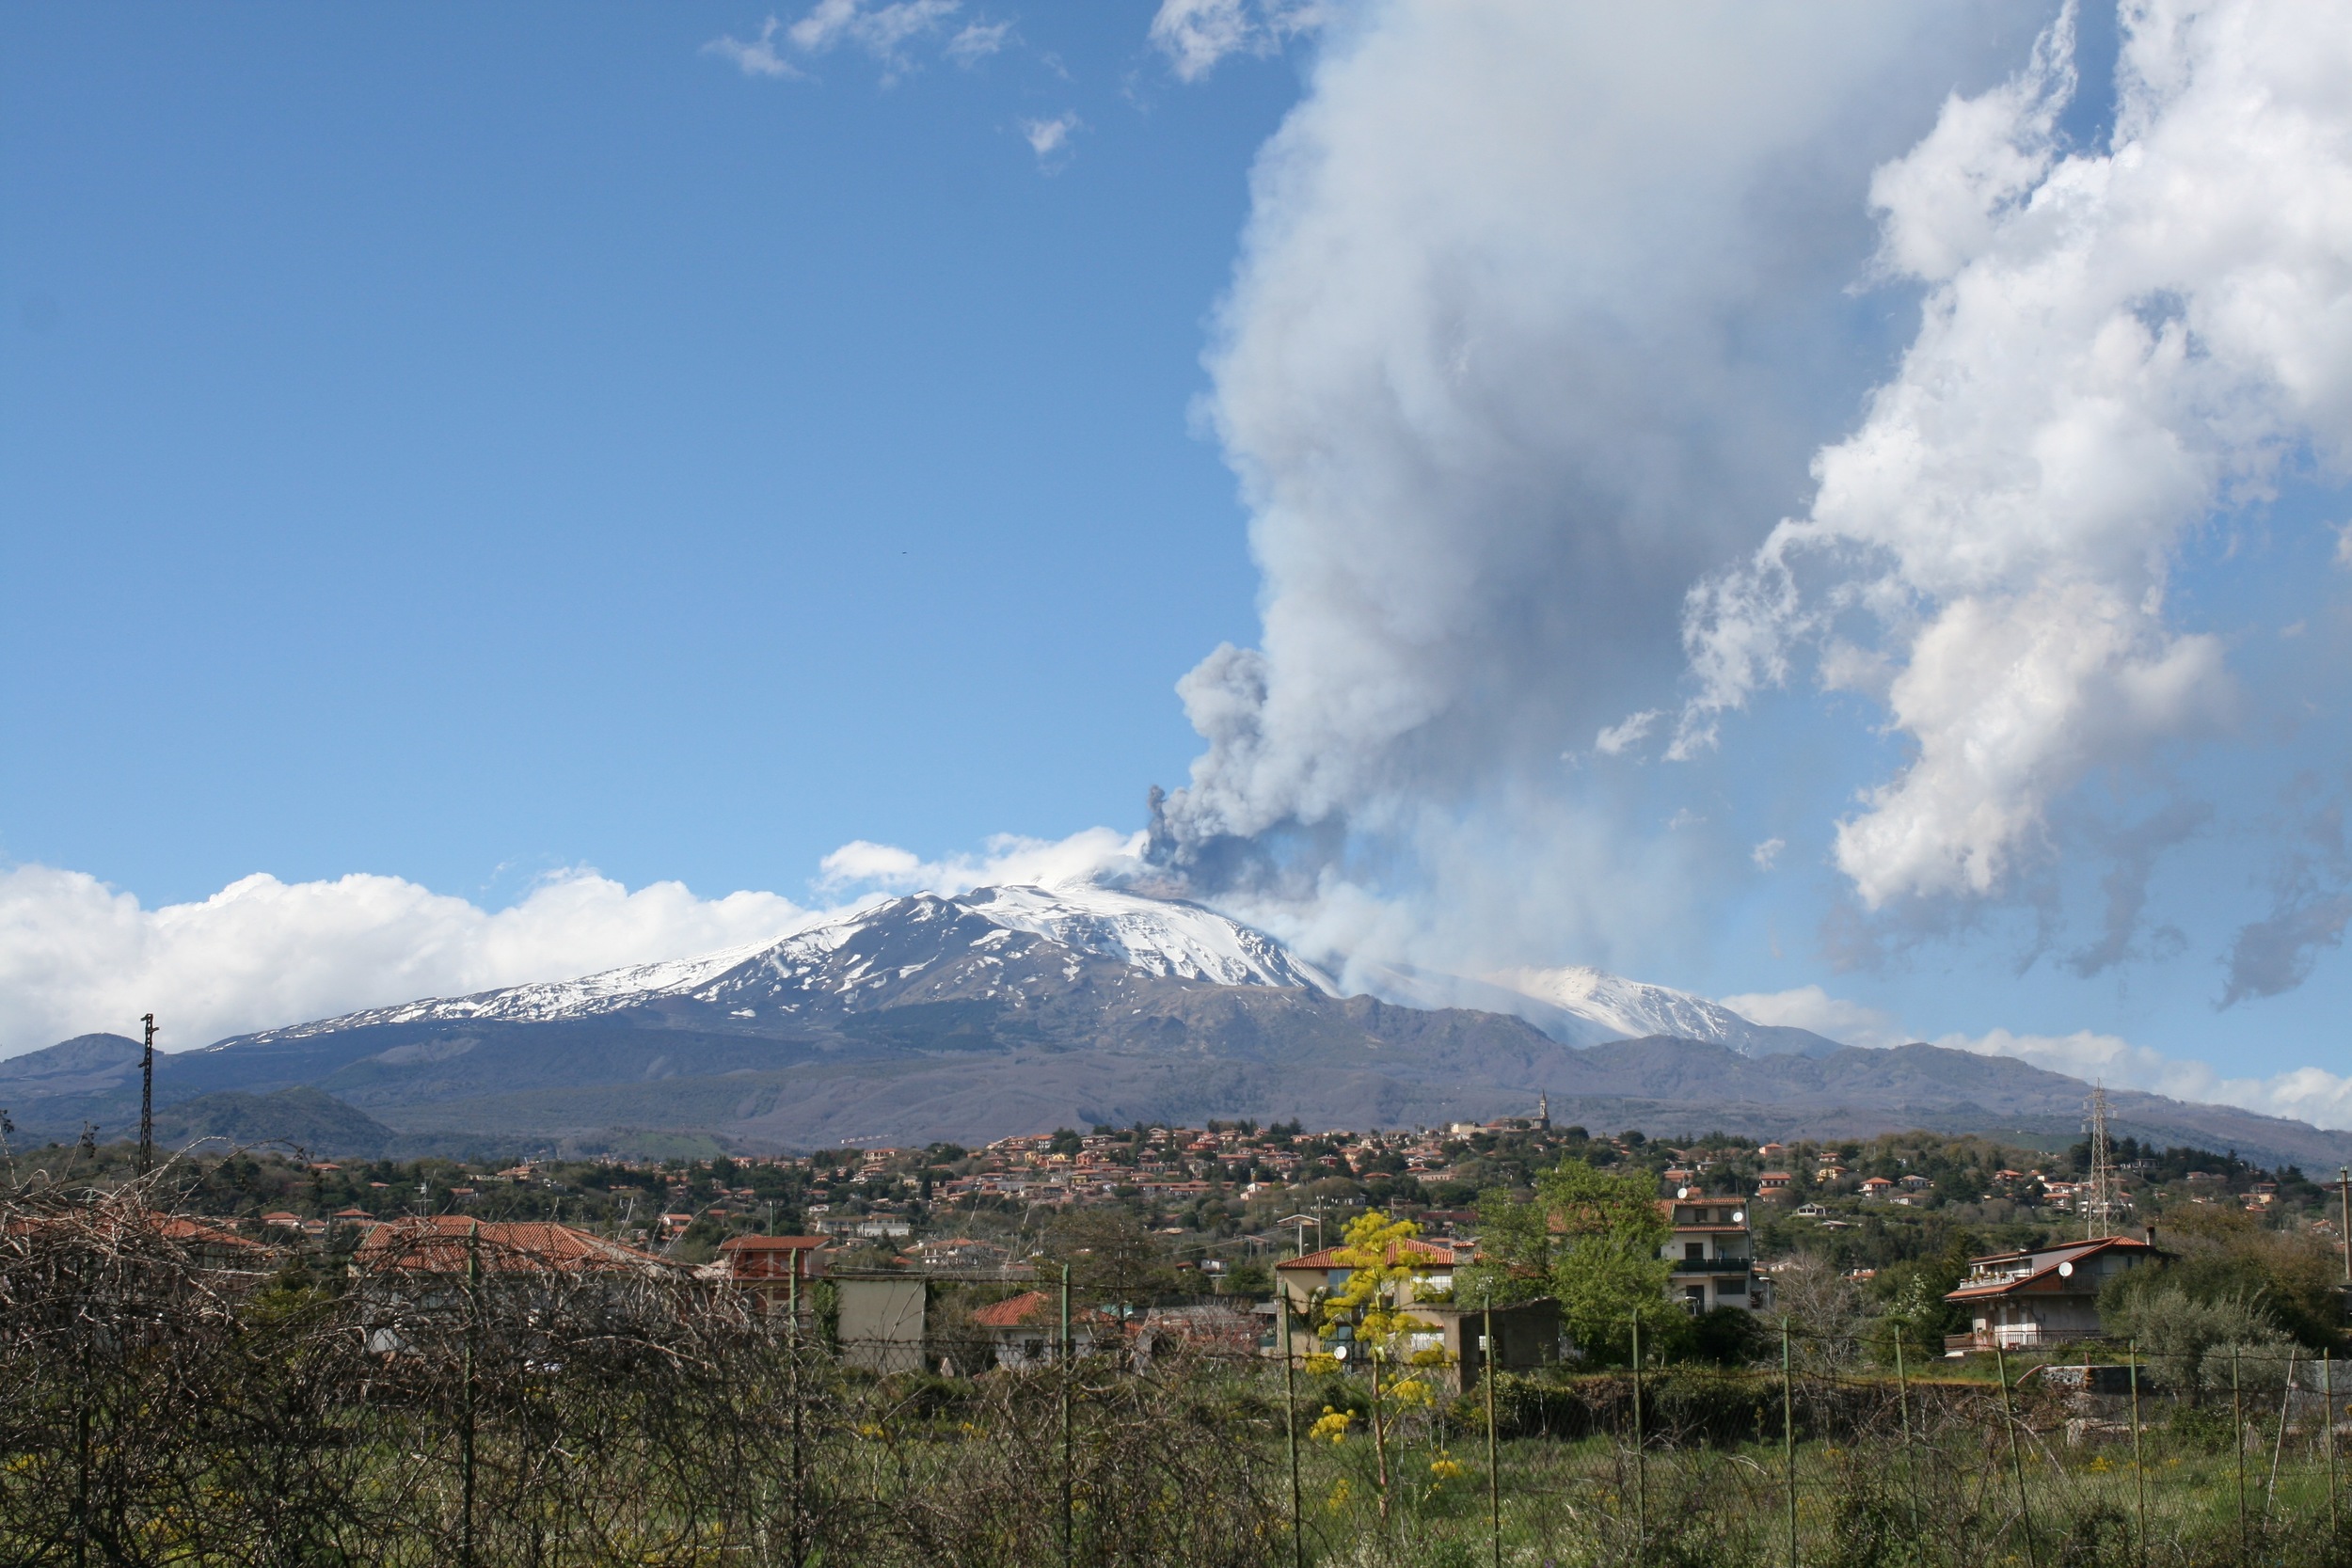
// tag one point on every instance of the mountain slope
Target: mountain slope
(1012, 1009)
(305, 1118)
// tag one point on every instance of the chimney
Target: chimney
(2151, 1233)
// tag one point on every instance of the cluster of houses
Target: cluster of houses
(1179, 1162)
(891, 1319)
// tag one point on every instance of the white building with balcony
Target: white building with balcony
(1712, 1251)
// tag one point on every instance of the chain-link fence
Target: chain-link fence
(475, 1404)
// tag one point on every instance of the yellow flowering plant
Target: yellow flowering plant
(1374, 1304)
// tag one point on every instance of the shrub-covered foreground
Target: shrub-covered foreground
(160, 1409)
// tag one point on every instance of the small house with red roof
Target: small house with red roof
(1302, 1284)
(1325, 1273)
(1025, 1331)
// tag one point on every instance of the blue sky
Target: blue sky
(466, 454)
(507, 481)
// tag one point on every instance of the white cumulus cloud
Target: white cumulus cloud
(977, 41)
(885, 31)
(2308, 1094)
(1195, 34)
(756, 56)
(77, 956)
(1626, 733)
(1050, 139)
(2114, 345)
(1007, 859)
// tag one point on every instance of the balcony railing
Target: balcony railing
(1712, 1265)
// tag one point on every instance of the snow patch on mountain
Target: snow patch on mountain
(1631, 1009)
(1158, 937)
(607, 992)
(1582, 1006)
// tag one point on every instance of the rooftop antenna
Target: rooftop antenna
(2099, 1203)
(146, 1098)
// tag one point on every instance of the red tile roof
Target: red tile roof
(1427, 1252)
(1013, 1312)
(438, 1244)
(183, 1228)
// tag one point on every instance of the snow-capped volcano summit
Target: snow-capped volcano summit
(1015, 947)
(992, 943)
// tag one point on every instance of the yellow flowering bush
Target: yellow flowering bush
(1331, 1426)
(1445, 1466)
(1411, 1393)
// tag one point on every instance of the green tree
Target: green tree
(1591, 1239)
(1516, 1249)
(1114, 1260)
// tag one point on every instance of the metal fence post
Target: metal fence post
(2327, 1398)
(2140, 1466)
(1494, 1474)
(1289, 1428)
(792, 1341)
(2278, 1448)
(2237, 1421)
(1911, 1459)
(465, 1435)
(81, 1448)
(1789, 1436)
(2016, 1460)
(1065, 1418)
(1641, 1469)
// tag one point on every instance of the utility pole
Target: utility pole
(2343, 1192)
(147, 1098)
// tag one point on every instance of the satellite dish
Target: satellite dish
(1683, 1191)
(1739, 1216)
(2066, 1270)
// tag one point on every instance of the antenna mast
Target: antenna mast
(2099, 1204)
(146, 1099)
